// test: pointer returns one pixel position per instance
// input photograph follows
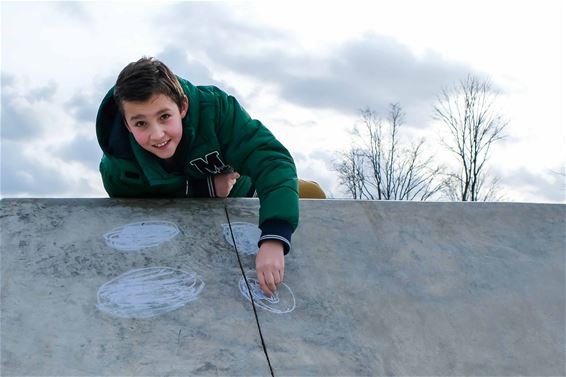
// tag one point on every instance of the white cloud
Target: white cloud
(528, 186)
(36, 132)
(28, 173)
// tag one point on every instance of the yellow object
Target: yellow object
(310, 190)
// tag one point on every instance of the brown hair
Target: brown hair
(139, 80)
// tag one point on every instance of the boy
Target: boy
(164, 137)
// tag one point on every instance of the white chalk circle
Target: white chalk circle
(246, 235)
(141, 235)
(148, 292)
(282, 301)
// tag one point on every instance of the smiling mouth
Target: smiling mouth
(161, 145)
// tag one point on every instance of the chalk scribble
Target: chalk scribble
(148, 292)
(141, 235)
(282, 301)
(246, 235)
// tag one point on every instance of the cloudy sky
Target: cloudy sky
(305, 69)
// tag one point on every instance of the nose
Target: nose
(157, 132)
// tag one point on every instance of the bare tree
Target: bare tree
(474, 125)
(351, 172)
(379, 166)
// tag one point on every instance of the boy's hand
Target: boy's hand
(270, 266)
(223, 183)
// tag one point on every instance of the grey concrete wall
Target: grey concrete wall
(381, 288)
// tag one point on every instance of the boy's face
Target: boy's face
(156, 124)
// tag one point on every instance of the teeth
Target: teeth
(162, 144)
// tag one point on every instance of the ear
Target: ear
(185, 106)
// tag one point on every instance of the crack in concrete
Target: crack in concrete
(250, 292)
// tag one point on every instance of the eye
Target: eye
(139, 124)
(165, 116)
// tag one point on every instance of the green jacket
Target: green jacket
(218, 136)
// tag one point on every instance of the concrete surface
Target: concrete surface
(381, 288)
(54, 259)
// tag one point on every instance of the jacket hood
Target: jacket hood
(113, 136)
(111, 132)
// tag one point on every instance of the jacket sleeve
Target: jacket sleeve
(121, 180)
(253, 151)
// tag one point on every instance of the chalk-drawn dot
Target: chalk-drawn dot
(141, 235)
(147, 292)
(282, 301)
(246, 235)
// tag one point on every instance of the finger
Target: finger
(263, 285)
(276, 278)
(270, 281)
(282, 274)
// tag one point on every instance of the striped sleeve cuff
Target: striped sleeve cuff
(277, 230)
(210, 183)
(203, 188)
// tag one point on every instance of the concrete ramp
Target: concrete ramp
(107, 287)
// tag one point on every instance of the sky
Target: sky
(305, 69)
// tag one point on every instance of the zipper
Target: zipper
(187, 188)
